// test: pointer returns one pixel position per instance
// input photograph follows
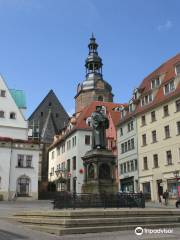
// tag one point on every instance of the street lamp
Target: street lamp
(176, 175)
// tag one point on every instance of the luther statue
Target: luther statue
(99, 124)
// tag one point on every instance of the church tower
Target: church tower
(93, 88)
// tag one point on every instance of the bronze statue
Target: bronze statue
(99, 124)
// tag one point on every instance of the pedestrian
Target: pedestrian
(161, 198)
(166, 197)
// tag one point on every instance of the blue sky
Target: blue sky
(43, 43)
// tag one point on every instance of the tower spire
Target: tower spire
(93, 62)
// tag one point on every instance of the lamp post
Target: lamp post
(176, 175)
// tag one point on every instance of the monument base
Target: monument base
(100, 165)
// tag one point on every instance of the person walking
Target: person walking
(166, 197)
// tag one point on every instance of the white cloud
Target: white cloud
(166, 26)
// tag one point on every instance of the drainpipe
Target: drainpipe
(10, 165)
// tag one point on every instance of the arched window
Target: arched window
(12, 115)
(100, 98)
(23, 186)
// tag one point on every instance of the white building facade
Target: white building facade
(127, 156)
(65, 160)
(18, 157)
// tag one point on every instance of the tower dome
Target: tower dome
(93, 88)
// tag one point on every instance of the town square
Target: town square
(89, 119)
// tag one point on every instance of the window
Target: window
(122, 148)
(169, 157)
(52, 155)
(155, 160)
(129, 145)
(74, 163)
(145, 163)
(177, 69)
(100, 98)
(178, 105)
(128, 167)
(68, 144)
(12, 115)
(2, 93)
(135, 164)
(154, 138)
(170, 87)
(124, 167)
(68, 165)
(29, 161)
(57, 115)
(166, 111)
(130, 126)
(50, 104)
(167, 131)
(74, 141)
(178, 128)
(146, 99)
(87, 139)
(41, 114)
(132, 166)
(121, 167)
(155, 83)
(125, 147)
(153, 116)
(20, 160)
(143, 120)
(132, 143)
(58, 150)
(2, 115)
(144, 140)
(121, 132)
(131, 107)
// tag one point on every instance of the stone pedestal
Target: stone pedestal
(99, 172)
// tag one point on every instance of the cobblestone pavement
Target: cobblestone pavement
(16, 231)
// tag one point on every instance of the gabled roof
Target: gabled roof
(52, 94)
(80, 123)
(167, 71)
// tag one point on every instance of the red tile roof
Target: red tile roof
(86, 112)
(7, 139)
(168, 69)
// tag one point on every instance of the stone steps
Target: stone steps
(98, 220)
(98, 229)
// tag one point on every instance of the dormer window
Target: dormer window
(155, 83)
(2, 114)
(169, 87)
(2, 93)
(177, 69)
(12, 115)
(146, 99)
(131, 107)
